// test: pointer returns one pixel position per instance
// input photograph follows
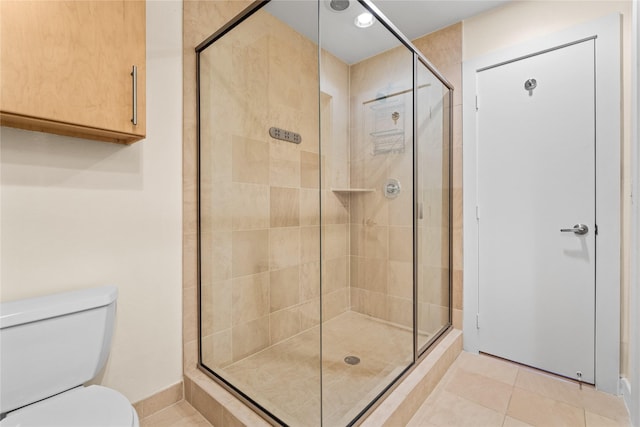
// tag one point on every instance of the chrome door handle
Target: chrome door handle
(577, 229)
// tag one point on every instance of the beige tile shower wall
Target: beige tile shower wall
(260, 197)
(262, 74)
(381, 229)
(334, 137)
(381, 252)
(200, 20)
(433, 192)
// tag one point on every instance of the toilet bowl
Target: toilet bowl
(49, 347)
(79, 407)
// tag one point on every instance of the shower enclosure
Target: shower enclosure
(324, 208)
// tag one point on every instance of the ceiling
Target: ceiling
(339, 35)
(416, 18)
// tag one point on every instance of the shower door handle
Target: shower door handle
(580, 229)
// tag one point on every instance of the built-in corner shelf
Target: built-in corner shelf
(353, 190)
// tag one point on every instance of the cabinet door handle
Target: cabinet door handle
(134, 81)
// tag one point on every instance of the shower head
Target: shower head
(339, 5)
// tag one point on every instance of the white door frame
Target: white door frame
(608, 187)
(631, 385)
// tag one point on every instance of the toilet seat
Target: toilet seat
(93, 406)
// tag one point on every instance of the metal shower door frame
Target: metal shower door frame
(418, 353)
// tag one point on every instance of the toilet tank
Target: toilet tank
(53, 343)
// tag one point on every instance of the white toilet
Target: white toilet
(49, 347)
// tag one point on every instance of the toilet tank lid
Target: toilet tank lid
(28, 310)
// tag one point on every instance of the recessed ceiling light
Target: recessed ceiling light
(364, 20)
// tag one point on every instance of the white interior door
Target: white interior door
(536, 176)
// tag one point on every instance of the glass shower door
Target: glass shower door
(433, 253)
(324, 208)
(366, 125)
(259, 214)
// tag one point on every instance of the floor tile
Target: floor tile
(489, 366)
(420, 423)
(550, 386)
(595, 420)
(605, 405)
(477, 390)
(538, 410)
(450, 410)
(424, 411)
(480, 389)
(512, 422)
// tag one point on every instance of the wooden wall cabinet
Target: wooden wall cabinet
(66, 67)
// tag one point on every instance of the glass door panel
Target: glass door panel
(366, 125)
(259, 213)
(432, 210)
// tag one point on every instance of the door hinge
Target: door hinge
(595, 229)
(477, 212)
(477, 320)
(476, 102)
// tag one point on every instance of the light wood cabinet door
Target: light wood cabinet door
(66, 67)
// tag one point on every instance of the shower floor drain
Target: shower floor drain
(352, 360)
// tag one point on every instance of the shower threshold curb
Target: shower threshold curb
(216, 404)
(404, 401)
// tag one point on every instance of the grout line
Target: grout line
(513, 388)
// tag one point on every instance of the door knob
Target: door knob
(577, 229)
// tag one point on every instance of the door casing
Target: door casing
(606, 31)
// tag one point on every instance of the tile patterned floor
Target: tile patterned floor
(479, 390)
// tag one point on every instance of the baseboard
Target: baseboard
(625, 389)
(160, 400)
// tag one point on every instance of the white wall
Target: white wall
(77, 213)
(521, 21)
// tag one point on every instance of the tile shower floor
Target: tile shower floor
(286, 376)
